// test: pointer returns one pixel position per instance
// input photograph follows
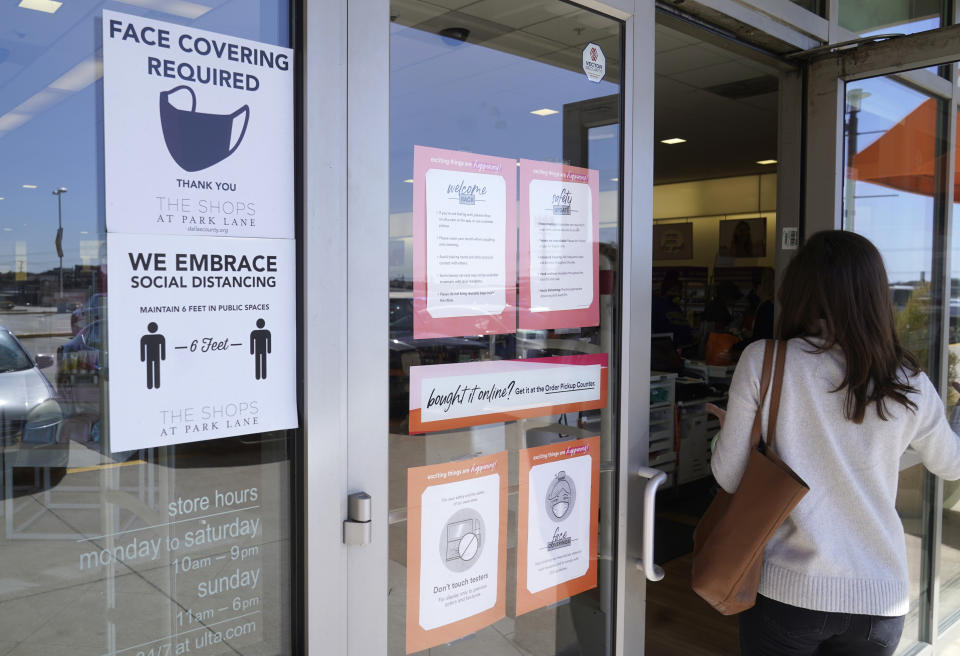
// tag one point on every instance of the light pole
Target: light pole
(59, 242)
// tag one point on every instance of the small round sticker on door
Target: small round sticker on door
(594, 63)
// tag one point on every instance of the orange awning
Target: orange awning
(904, 157)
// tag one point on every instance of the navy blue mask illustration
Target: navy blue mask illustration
(197, 141)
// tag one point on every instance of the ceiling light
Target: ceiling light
(12, 120)
(80, 76)
(766, 161)
(46, 6)
(29, 186)
(8, 229)
(614, 179)
(544, 112)
(410, 181)
(673, 140)
(174, 7)
(455, 33)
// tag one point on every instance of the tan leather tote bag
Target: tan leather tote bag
(728, 542)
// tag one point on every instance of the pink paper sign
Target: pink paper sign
(464, 244)
(559, 246)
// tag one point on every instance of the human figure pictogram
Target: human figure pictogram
(260, 345)
(153, 349)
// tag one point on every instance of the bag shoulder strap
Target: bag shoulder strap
(755, 434)
(775, 393)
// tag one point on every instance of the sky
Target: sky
(60, 145)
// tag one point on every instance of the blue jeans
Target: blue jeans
(772, 628)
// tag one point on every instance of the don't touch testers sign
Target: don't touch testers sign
(456, 549)
(201, 338)
(198, 131)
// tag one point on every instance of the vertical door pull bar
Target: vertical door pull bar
(654, 478)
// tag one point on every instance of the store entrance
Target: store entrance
(714, 253)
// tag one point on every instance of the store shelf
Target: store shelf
(662, 445)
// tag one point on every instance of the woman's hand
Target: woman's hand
(721, 414)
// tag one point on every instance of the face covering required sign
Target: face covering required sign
(198, 141)
(198, 131)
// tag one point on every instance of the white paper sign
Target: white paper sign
(558, 540)
(201, 338)
(459, 534)
(791, 239)
(561, 246)
(198, 131)
(537, 385)
(466, 235)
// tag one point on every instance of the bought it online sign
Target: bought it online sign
(198, 131)
(458, 395)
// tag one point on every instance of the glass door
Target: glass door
(505, 260)
(174, 531)
(899, 207)
(883, 147)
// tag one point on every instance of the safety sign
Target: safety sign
(198, 131)
(557, 511)
(559, 246)
(456, 549)
(201, 338)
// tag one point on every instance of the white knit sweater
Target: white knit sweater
(842, 549)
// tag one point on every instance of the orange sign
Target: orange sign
(456, 549)
(557, 509)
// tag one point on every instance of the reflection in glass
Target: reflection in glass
(871, 17)
(891, 145)
(101, 551)
(507, 85)
(950, 545)
(816, 6)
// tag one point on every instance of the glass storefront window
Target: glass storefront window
(950, 546)
(871, 17)
(495, 104)
(891, 146)
(154, 551)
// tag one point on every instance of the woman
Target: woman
(834, 575)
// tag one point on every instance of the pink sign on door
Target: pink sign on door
(559, 246)
(464, 244)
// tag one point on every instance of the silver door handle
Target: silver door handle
(654, 478)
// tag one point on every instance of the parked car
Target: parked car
(30, 414)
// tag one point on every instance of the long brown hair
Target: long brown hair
(836, 289)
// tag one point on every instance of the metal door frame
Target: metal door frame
(345, 241)
(346, 121)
